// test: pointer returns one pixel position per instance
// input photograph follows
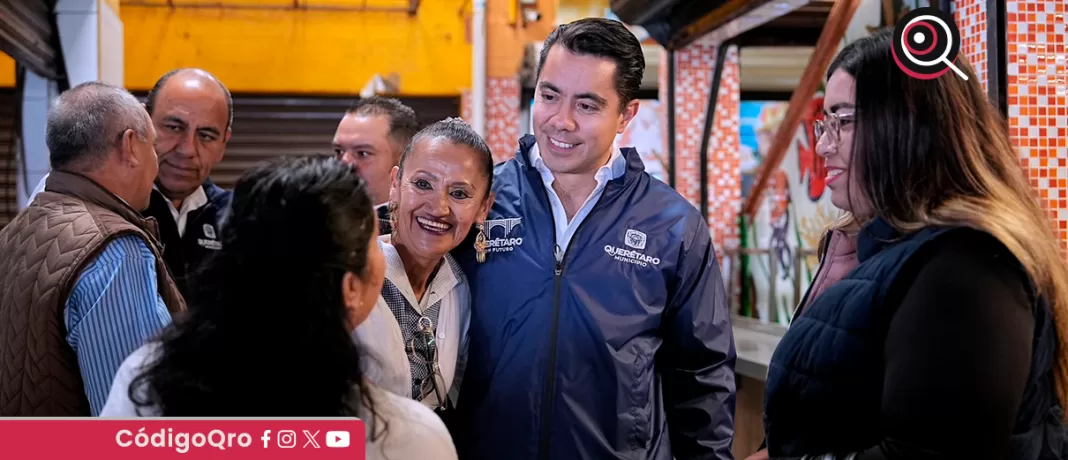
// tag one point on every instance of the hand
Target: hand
(759, 455)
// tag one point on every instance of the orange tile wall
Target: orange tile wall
(693, 77)
(970, 16)
(693, 81)
(503, 97)
(1037, 91)
(724, 160)
(1038, 100)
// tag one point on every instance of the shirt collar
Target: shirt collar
(447, 278)
(191, 203)
(613, 169)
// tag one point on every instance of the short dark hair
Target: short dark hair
(402, 121)
(85, 122)
(460, 133)
(604, 38)
(150, 102)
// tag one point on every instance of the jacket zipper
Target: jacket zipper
(554, 330)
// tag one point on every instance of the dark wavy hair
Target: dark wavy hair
(266, 332)
(602, 38)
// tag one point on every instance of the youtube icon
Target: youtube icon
(337, 439)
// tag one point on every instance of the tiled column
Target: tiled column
(1038, 100)
(693, 81)
(970, 16)
(724, 160)
(502, 115)
(1037, 91)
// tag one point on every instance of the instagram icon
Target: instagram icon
(287, 439)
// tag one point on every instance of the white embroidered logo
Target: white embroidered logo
(504, 240)
(635, 239)
(209, 231)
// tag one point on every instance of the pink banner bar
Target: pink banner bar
(181, 438)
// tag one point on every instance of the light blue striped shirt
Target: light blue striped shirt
(114, 308)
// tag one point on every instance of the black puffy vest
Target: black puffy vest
(824, 384)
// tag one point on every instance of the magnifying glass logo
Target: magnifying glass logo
(926, 42)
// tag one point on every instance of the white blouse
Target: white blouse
(413, 430)
(381, 338)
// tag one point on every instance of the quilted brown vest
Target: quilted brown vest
(44, 249)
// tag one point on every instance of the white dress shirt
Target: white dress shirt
(38, 189)
(382, 340)
(189, 204)
(614, 169)
(414, 431)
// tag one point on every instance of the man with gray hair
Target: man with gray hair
(82, 282)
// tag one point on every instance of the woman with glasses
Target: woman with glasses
(838, 247)
(948, 339)
(269, 328)
(418, 328)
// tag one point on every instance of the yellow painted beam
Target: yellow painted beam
(507, 39)
(301, 51)
(7, 71)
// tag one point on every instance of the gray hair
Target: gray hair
(87, 121)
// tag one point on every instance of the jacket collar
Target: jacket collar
(84, 188)
(213, 192)
(875, 236)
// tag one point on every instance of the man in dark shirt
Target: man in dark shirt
(372, 136)
(192, 111)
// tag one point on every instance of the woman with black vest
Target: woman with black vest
(948, 339)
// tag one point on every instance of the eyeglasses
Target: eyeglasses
(832, 126)
(423, 343)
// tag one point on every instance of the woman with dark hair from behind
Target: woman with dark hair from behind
(269, 333)
(948, 340)
(417, 332)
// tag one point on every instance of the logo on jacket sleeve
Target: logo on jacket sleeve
(502, 234)
(636, 240)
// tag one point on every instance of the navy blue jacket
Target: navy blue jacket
(203, 233)
(825, 381)
(622, 350)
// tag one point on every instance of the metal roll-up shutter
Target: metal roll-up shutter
(28, 34)
(8, 160)
(266, 127)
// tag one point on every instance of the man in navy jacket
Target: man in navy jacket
(192, 112)
(600, 326)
